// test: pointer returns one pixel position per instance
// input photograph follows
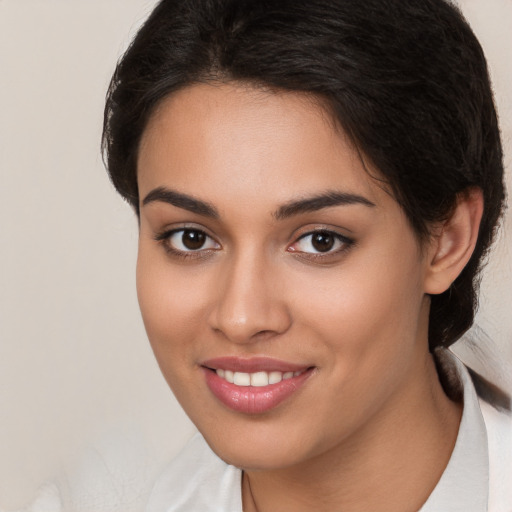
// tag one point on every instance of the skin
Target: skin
(352, 437)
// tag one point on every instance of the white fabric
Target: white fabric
(464, 485)
(499, 433)
(47, 499)
(197, 480)
(478, 477)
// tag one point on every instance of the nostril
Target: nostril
(264, 333)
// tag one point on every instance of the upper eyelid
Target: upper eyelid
(169, 230)
(300, 233)
(330, 231)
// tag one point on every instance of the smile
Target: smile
(254, 386)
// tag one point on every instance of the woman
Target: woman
(317, 184)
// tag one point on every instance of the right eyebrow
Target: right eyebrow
(184, 201)
(318, 202)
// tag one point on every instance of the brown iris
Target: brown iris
(323, 241)
(192, 239)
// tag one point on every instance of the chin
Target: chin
(262, 449)
(255, 458)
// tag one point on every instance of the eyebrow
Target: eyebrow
(184, 201)
(295, 207)
(318, 202)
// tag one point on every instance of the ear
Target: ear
(454, 241)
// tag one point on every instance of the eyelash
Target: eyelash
(344, 242)
(164, 239)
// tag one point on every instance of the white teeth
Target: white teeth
(242, 379)
(257, 379)
(275, 377)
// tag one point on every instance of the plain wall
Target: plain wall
(82, 401)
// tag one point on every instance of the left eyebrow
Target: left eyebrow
(319, 202)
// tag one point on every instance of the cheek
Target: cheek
(365, 335)
(171, 307)
(372, 312)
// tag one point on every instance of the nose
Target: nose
(250, 304)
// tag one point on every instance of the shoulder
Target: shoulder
(499, 436)
(495, 405)
(197, 480)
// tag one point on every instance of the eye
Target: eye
(321, 242)
(187, 240)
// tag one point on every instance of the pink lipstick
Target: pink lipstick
(255, 385)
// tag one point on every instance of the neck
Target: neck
(392, 464)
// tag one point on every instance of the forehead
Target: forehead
(239, 141)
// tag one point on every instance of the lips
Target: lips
(256, 385)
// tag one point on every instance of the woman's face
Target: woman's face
(281, 286)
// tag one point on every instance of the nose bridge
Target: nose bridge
(248, 303)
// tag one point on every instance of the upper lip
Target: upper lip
(253, 364)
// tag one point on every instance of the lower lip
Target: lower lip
(251, 399)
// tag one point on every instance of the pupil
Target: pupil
(193, 240)
(323, 242)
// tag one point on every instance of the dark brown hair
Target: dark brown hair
(406, 80)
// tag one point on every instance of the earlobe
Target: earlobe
(453, 244)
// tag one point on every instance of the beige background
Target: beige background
(82, 402)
